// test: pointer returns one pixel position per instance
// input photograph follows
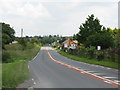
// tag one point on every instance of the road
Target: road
(52, 70)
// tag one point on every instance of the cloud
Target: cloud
(23, 9)
(22, 14)
(108, 14)
(37, 17)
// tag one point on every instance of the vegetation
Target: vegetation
(93, 34)
(15, 57)
(49, 39)
(106, 63)
(15, 71)
(7, 34)
(14, 74)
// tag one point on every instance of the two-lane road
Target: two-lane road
(49, 70)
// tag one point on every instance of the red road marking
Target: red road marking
(110, 82)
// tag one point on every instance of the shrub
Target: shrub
(99, 55)
(6, 57)
(81, 51)
(90, 52)
(30, 45)
(23, 42)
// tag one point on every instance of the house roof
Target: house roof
(75, 41)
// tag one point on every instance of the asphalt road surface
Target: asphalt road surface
(52, 70)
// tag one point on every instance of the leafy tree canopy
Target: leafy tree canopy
(93, 33)
(7, 34)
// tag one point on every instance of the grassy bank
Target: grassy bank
(0, 75)
(16, 72)
(91, 61)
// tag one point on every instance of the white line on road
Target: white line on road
(35, 56)
(96, 75)
(108, 81)
(110, 77)
(30, 88)
(33, 81)
(91, 71)
(117, 81)
(108, 68)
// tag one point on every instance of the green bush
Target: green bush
(99, 55)
(30, 45)
(6, 57)
(23, 42)
(111, 54)
(90, 52)
(81, 51)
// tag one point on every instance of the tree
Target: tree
(35, 40)
(104, 40)
(7, 34)
(93, 34)
(116, 36)
(91, 26)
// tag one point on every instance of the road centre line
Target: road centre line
(113, 83)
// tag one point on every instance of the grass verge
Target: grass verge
(17, 71)
(0, 75)
(14, 73)
(91, 61)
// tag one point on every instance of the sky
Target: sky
(52, 17)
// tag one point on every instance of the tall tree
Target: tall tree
(92, 33)
(91, 26)
(7, 34)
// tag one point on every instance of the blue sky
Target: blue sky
(63, 17)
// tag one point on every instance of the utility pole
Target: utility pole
(21, 32)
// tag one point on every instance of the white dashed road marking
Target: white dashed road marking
(33, 81)
(110, 77)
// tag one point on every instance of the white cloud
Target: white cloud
(108, 14)
(76, 0)
(37, 17)
(22, 14)
(21, 8)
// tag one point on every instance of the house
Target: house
(69, 43)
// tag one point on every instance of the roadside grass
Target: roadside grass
(54, 48)
(106, 63)
(17, 71)
(14, 73)
(0, 75)
(18, 54)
